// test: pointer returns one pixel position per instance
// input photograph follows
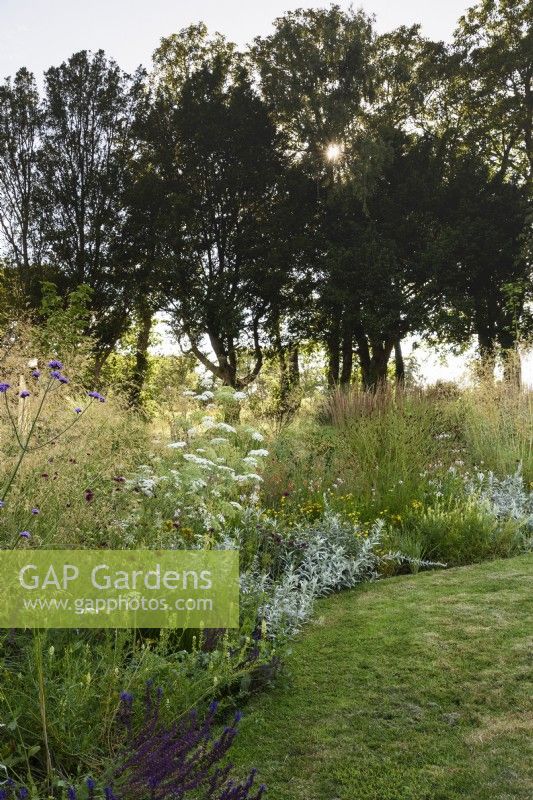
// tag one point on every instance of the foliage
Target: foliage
(370, 486)
(327, 186)
(296, 210)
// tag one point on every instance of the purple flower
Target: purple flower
(35, 511)
(89, 494)
(2, 504)
(25, 535)
(91, 784)
(78, 410)
(36, 373)
(185, 756)
(126, 697)
(4, 387)
(96, 396)
(58, 376)
(71, 793)
(23, 793)
(24, 393)
(55, 364)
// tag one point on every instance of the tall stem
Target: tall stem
(24, 445)
(38, 645)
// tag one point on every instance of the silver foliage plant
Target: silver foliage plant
(506, 498)
(325, 557)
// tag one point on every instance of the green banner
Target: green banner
(119, 589)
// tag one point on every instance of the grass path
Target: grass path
(408, 689)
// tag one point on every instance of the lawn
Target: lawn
(411, 688)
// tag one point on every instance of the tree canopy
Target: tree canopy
(327, 185)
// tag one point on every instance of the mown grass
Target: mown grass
(414, 688)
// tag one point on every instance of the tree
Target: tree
(346, 99)
(482, 112)
(480, 269)
(88, 109)
(223, 183)
(494, 42)
(20, 138)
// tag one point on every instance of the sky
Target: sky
(41, 33)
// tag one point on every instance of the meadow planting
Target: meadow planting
(355, 488)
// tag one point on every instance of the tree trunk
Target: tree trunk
(363, 351)
(294, 364)
(99, 363)
(141, 355)
(381, 352)
(289, 377)
(486, 337)
(399, 364)
(333, 350)
(347, 353)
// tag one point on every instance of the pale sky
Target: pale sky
(41, 33)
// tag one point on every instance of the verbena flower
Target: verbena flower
(36, 374)
(96, 396)
(78, 410)
(4, 387)
(71, 793)
(91, 786)
(54, 364)
(25, 535)
(35, 511)
(24, 393)
(59, 376)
